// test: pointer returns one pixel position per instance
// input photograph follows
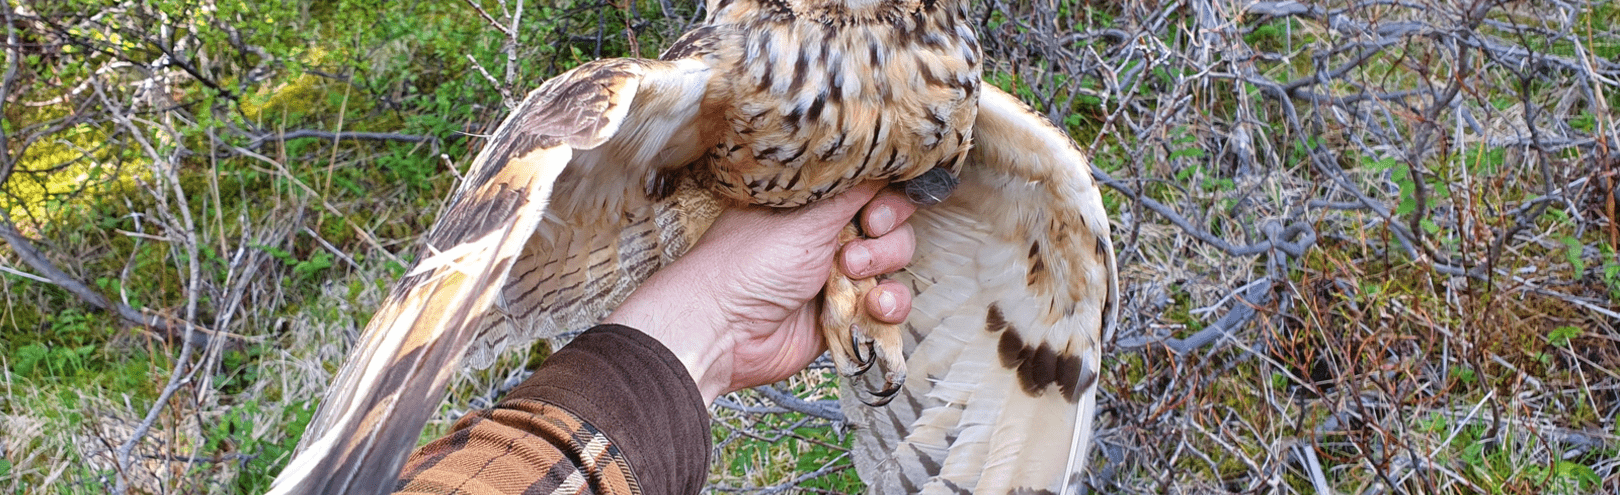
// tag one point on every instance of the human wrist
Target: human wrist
(688, 326)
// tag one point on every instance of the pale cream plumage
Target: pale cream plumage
(1026, 195)
(612, 170)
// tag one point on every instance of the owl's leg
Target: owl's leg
(855, 339)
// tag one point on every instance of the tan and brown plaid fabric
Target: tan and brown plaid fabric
(526, 447)
(614, 412)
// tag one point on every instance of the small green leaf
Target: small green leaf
(1560, 336)
(1187, 153)
(1572, 250)
(28, 357)
(1582, 474)
(1403, 178)
(316, 263)
(1073, 121)
(277, 253)
(1464, 374)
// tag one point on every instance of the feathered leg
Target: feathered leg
(855, 339)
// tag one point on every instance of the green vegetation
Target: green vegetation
(261, 171)
(122, 136)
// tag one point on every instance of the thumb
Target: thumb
(840, 209)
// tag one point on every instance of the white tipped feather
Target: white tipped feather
(360, 436)
(968, 424)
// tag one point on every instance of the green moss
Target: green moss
(304, 98)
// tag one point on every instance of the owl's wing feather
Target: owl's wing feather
(594, 125)
(1014, 279)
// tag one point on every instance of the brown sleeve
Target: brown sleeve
(613, 412)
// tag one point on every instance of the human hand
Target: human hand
(740, 308)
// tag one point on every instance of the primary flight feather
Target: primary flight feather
(612, 170)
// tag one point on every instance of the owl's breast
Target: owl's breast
(815, 108)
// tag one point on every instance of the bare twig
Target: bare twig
(826, 409)
(12, 59)
(506, 96)
(167, 168)
(49, 273)
(487, 18)
(264, 139)
(362, 233)
(829, 467)
(1294, 239)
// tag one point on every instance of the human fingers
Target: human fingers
(887, 210)
(889, 302)
(864, 258)
(838, 210)
(814, 226)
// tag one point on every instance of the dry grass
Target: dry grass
(1438, 336)
(1367, 247)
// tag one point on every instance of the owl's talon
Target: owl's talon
(880, 401)
(855, 339)
(863, 363)
(891, 388)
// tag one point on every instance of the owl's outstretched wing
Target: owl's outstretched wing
(1015, 281)
(587, 140)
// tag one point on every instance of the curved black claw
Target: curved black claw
(883, 396)
(864, 363)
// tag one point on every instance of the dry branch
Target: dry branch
(31, 256)
(266, 139)
(1311, 256)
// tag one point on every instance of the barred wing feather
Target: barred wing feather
(570, 144)
(1015, 281)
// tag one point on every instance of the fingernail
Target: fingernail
(887, 303)
(857, 259)
(882, 220)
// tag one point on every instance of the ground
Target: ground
(1365, 247)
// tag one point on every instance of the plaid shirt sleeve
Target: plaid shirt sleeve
(613, 412)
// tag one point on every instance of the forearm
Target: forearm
(612, 410)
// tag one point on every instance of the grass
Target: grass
(1377, 363)
(783, 450)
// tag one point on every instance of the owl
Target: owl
(615, 168)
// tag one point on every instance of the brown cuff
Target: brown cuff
(639, 394)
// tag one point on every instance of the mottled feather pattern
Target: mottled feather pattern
(604, 233)
(383, 394)
(870, 115)
(614, 169)
(556, 290)
(823, 96)
(1003, 370)
(416, 340)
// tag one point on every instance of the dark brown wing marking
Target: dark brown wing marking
(1037, 366)
(1014, 281)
